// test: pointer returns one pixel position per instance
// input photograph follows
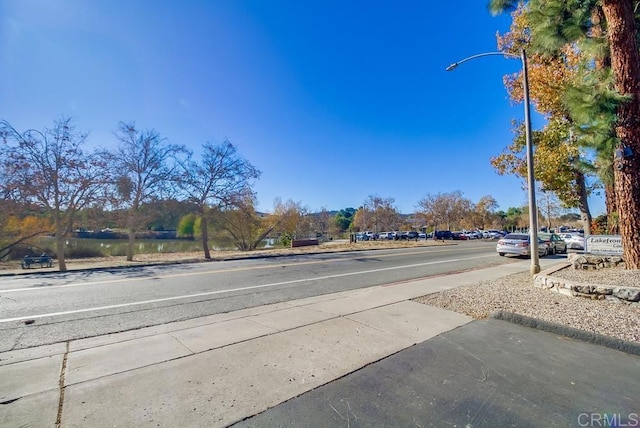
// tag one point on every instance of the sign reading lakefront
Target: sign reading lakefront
(604, 244)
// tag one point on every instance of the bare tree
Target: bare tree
(50, 169)
(444, 208)
(323, 221)
(221, 177)
(486, 209)
(549, 206)
(146, 169)
(378, 214)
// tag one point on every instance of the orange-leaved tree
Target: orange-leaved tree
(21, 230)
(555, 23)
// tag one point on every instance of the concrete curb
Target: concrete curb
(88, 267)
(631, 348)
(242, 256)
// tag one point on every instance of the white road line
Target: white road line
(197, 273)
(211, 293)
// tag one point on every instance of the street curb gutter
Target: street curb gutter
(99, 268)
(570, 332)
(216, 258)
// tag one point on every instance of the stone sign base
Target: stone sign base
(546, 280)
(592, 261)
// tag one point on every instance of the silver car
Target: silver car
(573, 240)
(518, 244)
(555, 243)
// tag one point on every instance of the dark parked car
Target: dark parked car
(413, 235)
(444, 234)
(402, 236)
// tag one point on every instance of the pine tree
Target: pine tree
(557, 23)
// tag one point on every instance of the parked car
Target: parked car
(493, 234)
(473, 234)
(443, 234)
(573, 240)
(371, 236)
(554, 242)
(386, 236)
(519, 244)
(402, 236)
(413, 235)
(458, 236)
(422, 235)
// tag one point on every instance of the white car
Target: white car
(383, 236)
(573, 240)
(518, 244)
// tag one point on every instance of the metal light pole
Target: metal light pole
(533, 209)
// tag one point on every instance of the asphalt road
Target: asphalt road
(50, 308)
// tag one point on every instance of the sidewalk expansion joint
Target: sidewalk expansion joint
(181, 344)
(61, 386)
(16, 342)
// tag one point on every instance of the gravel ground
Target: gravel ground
(611, 276)
(516, 294)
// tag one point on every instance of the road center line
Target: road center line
(212, 293)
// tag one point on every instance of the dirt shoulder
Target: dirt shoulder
(198, 256)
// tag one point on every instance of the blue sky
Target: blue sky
(332, 100)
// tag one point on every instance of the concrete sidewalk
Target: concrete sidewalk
(488, 373)
(222, 369)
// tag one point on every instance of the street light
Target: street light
(533, 209)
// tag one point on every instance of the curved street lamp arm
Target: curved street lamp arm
(505, 54)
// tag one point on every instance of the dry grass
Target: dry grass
(328, 247)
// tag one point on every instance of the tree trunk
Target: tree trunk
(60, 244)
(132, 233)
(583, 203)
(204, 229)
(604, 63)
(625, 64)
(612, 209)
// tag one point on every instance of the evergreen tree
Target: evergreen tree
(555, 24)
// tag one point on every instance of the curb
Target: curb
(99, 268)
(627, 347)
(247, 256)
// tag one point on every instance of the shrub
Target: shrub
(186, 226)
(285, 239)
(83, 253)
(20, 251)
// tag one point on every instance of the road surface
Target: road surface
(56, 307)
